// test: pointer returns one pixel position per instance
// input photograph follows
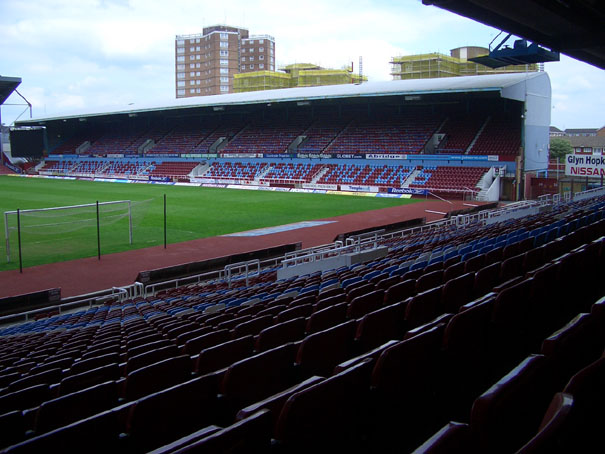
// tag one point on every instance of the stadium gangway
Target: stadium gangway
(83, 301)
(242, 266)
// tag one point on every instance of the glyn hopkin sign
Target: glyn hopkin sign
(577, 165)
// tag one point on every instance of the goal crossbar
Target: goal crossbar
(85, 205)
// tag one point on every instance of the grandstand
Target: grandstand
(374, 138)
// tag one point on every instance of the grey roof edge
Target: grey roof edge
(495, 82)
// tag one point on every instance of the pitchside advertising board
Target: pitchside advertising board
(578, 165)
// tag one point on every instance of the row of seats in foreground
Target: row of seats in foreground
(425, 378)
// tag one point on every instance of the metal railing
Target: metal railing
(209, 276)
(240, 267)
(152, 289)
(354, 243)
(88, 300)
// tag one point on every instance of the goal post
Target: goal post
(67, 218)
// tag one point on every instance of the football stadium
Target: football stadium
(356, 268)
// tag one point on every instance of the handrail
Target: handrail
(101, 297)
(365, 238)
(354, 244)
(241, 266)
(150, 289)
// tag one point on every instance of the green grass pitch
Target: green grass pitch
(192, 213)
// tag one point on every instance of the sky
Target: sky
(82, 55)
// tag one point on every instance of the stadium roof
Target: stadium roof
(573, 27)
(489, 83)
(7, 86)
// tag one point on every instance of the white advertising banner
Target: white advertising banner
(328, 187)
(358, 188)
(583, 165)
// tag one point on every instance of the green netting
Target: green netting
(64, 233)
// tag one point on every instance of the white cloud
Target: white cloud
(103, 52)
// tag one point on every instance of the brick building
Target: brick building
(206, 63)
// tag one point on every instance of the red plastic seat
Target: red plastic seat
(320, 352)
(327, 415)
(223, 355)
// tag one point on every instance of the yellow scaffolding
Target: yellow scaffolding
(295, 75)
(261, 80)
(434, 65)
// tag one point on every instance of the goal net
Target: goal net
(60, 233)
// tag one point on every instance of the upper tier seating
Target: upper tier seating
(116, 142)
(459, 132)
(266, 137)
(350, 132)
(400, 134)
(320, 134)
(182, 139)
(501, 136)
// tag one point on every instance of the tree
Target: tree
(559, 148)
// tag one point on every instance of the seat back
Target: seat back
(84, 433)
(326, 318)
(166, 415)
(328, 414)
(150, 357)
(280, 333)
(257, 377)
(423, 307)
(25, 398)
(400, 292)
(197, 344)
(486, 278)
(254, 326)
(379, 326)
(505, 416)
(557, 432)
(302, 310)
(223, 355)
(406, 376)
(362, 304)
(457, 292)
(453, 437)
(429, 280)
(320, 352)
(89, 378)
(252, 434)
(157, 376)
(72, 407)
